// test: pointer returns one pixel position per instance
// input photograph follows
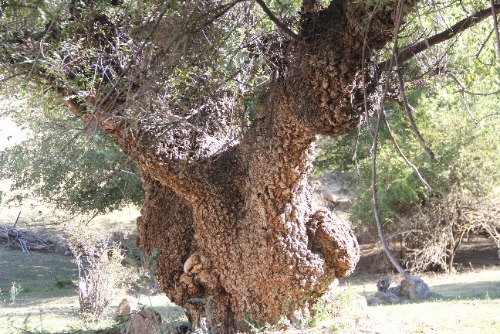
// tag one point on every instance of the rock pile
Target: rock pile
(413, 288)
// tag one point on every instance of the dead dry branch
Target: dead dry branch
(433, 246)
(25, 240)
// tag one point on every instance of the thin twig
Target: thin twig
(10, 77)
(355, 153)
(398, 148)
(464, 90)
(410, 117)
(40, 51)
(17, 219)
(136, 55)
(495, 27)
(476, 93)
(383, 240)
(484, 43)
(464, 99)
(488, 116)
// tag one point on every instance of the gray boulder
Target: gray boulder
(413, 288)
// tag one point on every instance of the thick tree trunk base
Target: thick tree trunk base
(248, 270)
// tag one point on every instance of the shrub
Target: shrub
(340, 310)
(100, 272)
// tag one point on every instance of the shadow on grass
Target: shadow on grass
(39, 276)
(173, 321)
(16, 266)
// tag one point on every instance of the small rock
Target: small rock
(126, 307)
(182, 329)
(144, 322)
(415, 288)
(386, 298)
(411, 289)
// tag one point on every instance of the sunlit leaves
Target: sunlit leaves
(76, 168)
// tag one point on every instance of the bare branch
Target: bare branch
(488, 116)
(464, 99)
(466, 91)
(484, 43)
(412, 120)
(7, 78)
(278, 23)
(355, 153)
(408, 162)
(495, 27)
(134, 58)
(378, 221)
(222, 10)
(414, 49)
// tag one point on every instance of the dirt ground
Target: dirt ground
(474, 253)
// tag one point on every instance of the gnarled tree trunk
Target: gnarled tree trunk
(250, 240)
(238, 229)
(228, 208)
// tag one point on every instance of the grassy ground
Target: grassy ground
(47, 301)
(468, 302)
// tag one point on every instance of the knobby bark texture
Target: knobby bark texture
(237, 228)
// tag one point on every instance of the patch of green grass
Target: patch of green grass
(39, 305)
(47, 303)
(436, 317)
(36, 273)
(468, 303)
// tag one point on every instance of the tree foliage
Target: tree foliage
(76, 168)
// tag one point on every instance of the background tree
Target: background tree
(219, 104)
(77, 169)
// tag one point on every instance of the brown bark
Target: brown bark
(252, 245)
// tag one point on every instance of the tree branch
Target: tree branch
(464, 99)
(376, 131)
(7, 78)
(400, 151)
(278, 23)
(412, 120)
(412, 50)
(495, 27)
